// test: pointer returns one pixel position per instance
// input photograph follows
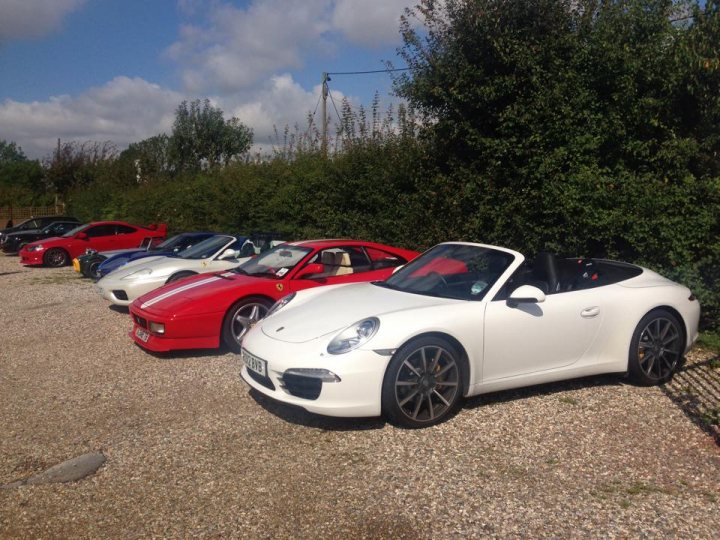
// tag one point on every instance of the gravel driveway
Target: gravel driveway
(191, 452)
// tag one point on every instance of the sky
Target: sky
(116, 70)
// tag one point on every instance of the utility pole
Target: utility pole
(325, 91)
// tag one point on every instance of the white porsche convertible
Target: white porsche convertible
(465, 319)
(219, 252)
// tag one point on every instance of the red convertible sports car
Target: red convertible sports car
(202, 311)
(100, 236)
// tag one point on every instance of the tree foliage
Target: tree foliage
(201, 137)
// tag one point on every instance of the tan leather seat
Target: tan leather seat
(344, 265)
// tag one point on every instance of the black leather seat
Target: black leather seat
(545, 269)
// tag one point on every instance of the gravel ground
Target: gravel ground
(192, 452)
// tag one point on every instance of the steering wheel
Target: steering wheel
(440, 278)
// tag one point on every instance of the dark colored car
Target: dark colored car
(13, 242)
(34, 223)
(87, 263)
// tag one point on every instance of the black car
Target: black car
(14, 241)
(34, 223)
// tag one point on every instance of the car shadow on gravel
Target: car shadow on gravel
(125, 310)
(10, 273)
(505, 396)
(299, 416)
(695, 389)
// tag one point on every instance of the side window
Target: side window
(381, 259)
(341, 261)
(124, 229)
(100, 230)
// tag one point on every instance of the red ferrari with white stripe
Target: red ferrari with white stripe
(206, 310)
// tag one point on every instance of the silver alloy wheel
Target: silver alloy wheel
(659, 348)
(245, 317)
(427, 383)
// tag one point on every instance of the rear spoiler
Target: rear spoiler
(162, 227)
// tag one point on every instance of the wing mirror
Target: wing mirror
(311, 269)
(526, 294)
(81, 236)
(228, 254)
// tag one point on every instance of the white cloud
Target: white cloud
(370, 23)
(122, 111)
(236, 48)
(239, 47)
(24, 19)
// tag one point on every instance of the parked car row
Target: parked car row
(352, 328)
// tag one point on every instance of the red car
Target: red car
(100, 235)
(202, 311)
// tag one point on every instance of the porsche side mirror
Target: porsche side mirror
(81, 236)
(228, 254)
(311, 269)
(526, 294)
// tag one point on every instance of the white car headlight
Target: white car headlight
(37, 247)
(277, 306)
(139, 273)
(354, 336)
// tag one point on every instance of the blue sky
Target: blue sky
(115, 70)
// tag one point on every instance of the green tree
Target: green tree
(201, 137)
(21, 179)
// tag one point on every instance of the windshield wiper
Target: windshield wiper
(240, 271)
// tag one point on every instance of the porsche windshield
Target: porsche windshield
(461, 271)
(206, 248)
(274, 263)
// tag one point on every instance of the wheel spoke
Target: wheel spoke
(255, 313)
(406, 383)
(438, 394)
(412, 368)
(670, 339)
(449, 366)
(436, 359)
(430, 405)
(417, 407)
(408, 398)
(424, 359)
(446, 383)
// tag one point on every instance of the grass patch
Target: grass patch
(54, 279)
(568, 400)
(710, 341)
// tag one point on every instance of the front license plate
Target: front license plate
(76, 265)
(254, 363)
(142, 335)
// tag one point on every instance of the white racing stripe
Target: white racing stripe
(178, 291)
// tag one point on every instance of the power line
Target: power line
(366, 72)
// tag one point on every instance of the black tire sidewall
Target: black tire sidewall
(226, 333)
(635, 372)
(180, 275)
(390, 409)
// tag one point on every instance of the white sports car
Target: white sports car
(465, 319)
(136, 278)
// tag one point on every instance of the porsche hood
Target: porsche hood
(339, 307)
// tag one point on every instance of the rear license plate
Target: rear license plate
(254, 363)
(142, 335)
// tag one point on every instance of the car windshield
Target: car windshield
(274, 263)
(460, 271)
(206, 248)
(169, 244)
(73, 232)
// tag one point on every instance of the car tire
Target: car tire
(93, 270)
(56, 257)
(656, 348)
(180, 275)
(423, 383)
(240, 318)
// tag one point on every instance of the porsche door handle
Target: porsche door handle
(589, 313)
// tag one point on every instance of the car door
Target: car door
(341, 264)
(101, 237)
(128, 237)
(526, 338)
